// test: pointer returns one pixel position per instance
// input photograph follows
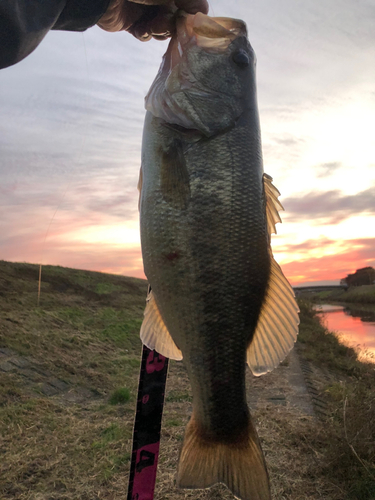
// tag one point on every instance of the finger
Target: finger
(161, 37)
(141, 28)
(140, 32)
(192, 6)
(153, 2)
(120, 15)
(162, 24)
(131, 12)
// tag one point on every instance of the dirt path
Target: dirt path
(295, 384)
(285, 386)
(289, 409)
(38, 381)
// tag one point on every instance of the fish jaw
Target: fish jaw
(208, 61)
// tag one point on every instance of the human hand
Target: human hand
(146, 19)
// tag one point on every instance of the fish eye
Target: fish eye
(241, 58)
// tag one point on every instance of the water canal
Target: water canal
(354, 324)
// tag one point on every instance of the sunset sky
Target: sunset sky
(71, 126)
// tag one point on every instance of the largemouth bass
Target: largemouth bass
(207, 210)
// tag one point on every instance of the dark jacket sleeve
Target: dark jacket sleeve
(24, 23)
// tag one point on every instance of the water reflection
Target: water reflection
(360, 312)
(355, 324)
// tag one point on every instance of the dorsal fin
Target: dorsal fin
(277, 327)
(154, 333)
(273, 205)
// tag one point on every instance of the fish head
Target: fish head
(207, 77)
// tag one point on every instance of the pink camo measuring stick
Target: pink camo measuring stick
(147, 425)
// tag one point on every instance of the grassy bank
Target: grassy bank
(68, 381)
(364, 294)
(349, 439)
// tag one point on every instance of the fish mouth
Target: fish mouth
(214, 33)
(177, 92)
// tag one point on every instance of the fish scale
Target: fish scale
(206, 247)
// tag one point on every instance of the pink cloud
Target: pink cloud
(103, 258)
(355, 254)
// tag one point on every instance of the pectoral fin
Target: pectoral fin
(154, 333)
(277, 326)
(278, 321)
(139, 186)
(174, 177)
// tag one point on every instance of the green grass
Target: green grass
(113, 432)
(119, 396)
(121, 333)
(173, 422)
(322, 346)
(178, 396)
(359, 295)
(106, 288)
(362, 295)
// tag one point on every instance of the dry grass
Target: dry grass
(76, 445)
(350, 437)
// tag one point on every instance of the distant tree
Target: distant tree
(363, 276)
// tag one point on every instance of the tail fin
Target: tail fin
(239, 466)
